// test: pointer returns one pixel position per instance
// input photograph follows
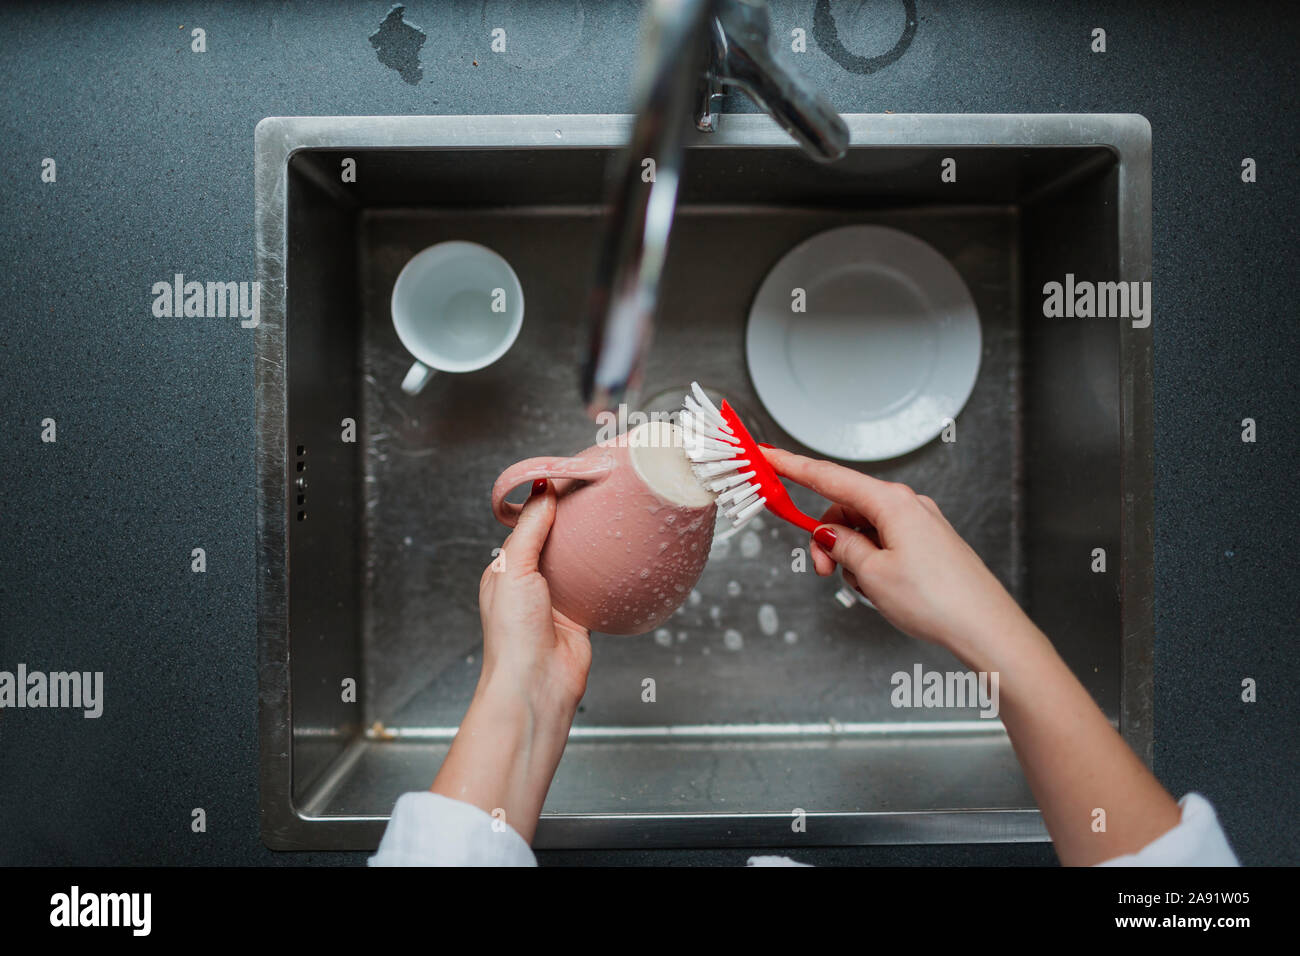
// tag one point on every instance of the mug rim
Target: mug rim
(470, 365)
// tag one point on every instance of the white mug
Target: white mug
(457, 307)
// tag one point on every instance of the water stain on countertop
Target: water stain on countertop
(827, 27)
(397, 43)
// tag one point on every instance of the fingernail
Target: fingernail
(825, 539)
(764, 444)
(539, 487)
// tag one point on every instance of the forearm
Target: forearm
(506, 751)
(1073, 759)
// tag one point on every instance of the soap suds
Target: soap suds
(656, 451)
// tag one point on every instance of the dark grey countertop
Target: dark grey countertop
(153, 145)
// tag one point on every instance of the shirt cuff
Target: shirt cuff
(428, 829)
(1197, 840)
(773, 861)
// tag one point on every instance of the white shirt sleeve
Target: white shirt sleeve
(428, 829)
(1197, 840)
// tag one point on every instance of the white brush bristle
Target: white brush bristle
(715, 454)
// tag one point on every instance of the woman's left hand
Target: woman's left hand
(527, 644)
(535, 664)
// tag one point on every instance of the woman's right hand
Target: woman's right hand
(898, 550)
(929, 583)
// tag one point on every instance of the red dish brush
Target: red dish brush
(729, 463)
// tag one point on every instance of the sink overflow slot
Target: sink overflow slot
(300, 483)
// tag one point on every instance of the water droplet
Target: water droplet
(733, 588)
(681, 637)
(664, 637)
(768, 622)
(750, 544)
(791, 637)
(733, 639)
(645, 573)
(715, 612)
(695, 598)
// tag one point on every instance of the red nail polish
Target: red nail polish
(825, 539)
(764, 444)
(539, 487)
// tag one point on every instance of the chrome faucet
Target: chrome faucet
(691, 52)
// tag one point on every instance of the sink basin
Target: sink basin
(772, 695)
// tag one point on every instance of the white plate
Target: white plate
(886, 351)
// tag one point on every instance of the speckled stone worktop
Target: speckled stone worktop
(153, 146)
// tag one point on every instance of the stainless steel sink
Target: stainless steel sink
(369, 572)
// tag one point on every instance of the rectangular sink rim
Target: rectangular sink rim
(286, 826)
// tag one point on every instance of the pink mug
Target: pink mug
(632, 528)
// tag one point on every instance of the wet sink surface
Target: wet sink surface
(770, 694)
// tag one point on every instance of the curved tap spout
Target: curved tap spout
(691, 50)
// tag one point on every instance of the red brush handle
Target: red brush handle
(765, 476)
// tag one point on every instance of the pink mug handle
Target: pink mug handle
(581, 468)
